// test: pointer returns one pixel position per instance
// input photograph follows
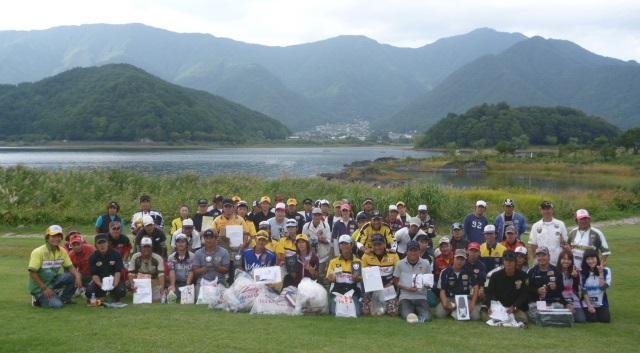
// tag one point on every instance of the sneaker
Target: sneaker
(34, 301)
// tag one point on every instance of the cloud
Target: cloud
(609, 28)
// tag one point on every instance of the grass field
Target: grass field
(177, 328)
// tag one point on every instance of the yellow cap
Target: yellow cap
(302, 237)
(292, 202)
(236, 198)
(54, 230)
(262, 234)
(400, 203)
(265, 199)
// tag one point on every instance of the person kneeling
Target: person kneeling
(105, 262)
(413, 296)
(458, 280)
(344, 273)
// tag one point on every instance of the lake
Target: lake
(261, 161)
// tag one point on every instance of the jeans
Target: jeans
(117, 293)
(66, 280)
(602, 314)
(419, 307)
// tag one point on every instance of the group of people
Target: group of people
(331, 243)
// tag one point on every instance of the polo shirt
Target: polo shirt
(154, 266)
(48, 263)
(406, 272)
(105, 265)
(158, 240)
(181, 266)
(550, 235)
(81, 260)
(460, 283)
(345, 271)
(219, 257)
(286, 247)
(539, 278)
(492, 256)
(478, 271)
(386, 262)
(251, 260)
(122, 244)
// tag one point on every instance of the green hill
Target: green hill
(487, 125)
(120, 102)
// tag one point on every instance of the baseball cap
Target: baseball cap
(542, 250)
(218, 198)
(76, 238)
(489, 228)
(236, 198)
(546, 205)
(376, 214)
(72, 232)
(242, 203)
(292, 222)
(345, 238)
(444, 240)
(423, 208)
(255, 203)
(114, 204)
(414, 221)
(281, 206)
(422, 236)
(292, 202)
(101, 237)
(54, 230)
(400, 203)
(146, 241)
(521, 250)
(227, 202)
(261, 234)
(481, 203)
(393, 208)
(362, 217)
(307, 201)
(203, 202)
(377, 238)
(146, 220)
(337, 203)
(461, 253)
(582, 214)
(302, 237)
(144, 198)
(509, 255)
(345, 206)
(508, 202)
(325, 202)
(316, 210)
(413, 245)
(187, 222)
(209, 233)
(264, 225)
(266, 199)
(510, 229)
(367, 200)
(180, 237)
(473, 245)
(456, 225)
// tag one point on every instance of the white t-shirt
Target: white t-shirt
(550, 235)
(402, 239)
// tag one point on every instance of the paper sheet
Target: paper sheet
(107, 283)
(143, 293)
(267, 275)
(234, 233)
(498, 312)
(389, 293)
(371, 279)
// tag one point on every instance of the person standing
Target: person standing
(585, 237)
(475, 222)
(548, 232)
(510, 218)
(103, 221)
(145, 210)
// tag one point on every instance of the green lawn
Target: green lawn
(173, 328)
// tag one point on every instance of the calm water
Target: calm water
(270, 162)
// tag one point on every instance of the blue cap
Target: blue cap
(413, 245)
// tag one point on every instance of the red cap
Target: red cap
(76, 238)
(473, 245)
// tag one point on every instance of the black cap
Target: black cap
(227, 202)
(100, 237)
(218, 198)
(413, 245)
(144, 198)
(114, 204)
(203, 202)
(376, 214)
(242, 204)
(307, 201)
(422, 237)
(209, 233)
(509, 255)
(546, 205)
(377, 238)
(362, 216)
(457, 225)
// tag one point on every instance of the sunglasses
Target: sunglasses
(115, 228)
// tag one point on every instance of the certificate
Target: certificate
(372, 279)
(235, 235)
(207, 222)
(462, 307)
(267, 275)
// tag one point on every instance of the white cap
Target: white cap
(187, 222)
(264, 224)
(393, 208)
(444, 240)
(180, 236)
(146, 241)
(414, 221)
(316, 210)
(281, 206)
(521, 250)
(481, 203)
(291, 222)
(422, 208)
(345, 238)
(146, 220)
(582, 213)
(489, 228)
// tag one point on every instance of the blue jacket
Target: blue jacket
(519, 222)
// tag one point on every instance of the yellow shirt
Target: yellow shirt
(220, 223)
(387, 264)
(286, 247)
(498, 251)
(367, 232)
(176, 225)
(345, 270)
(48, 263)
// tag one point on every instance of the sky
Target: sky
(610, 28)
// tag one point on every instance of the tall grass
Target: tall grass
(76, 198)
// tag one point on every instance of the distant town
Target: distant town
(355, 130)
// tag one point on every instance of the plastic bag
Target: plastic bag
(187, 294)
(208, 292)
(311, 297)
(271, 303)
(242, 293)
(219, 302)
(377, 303)
(171, 297)
(345, 306)
(143, 292)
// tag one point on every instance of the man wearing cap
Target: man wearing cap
(278, 223)
(548, 232)
(80, 254)
(211, 261)
(307, 207)
(545, 284)
(522, 260)
(265, 211)
(393, 220)
(337, 212)
(458, 241)
(510, 218)
(426, 251)
(407, 234)
(220, 225)
(119, 241)
(426, 221)
(180, 265)
(344, 273)
(512, 239)
(194, 242)
(105, 262)
(475, 222)
(258, 256)
(324, 207)
(46, 266)
(292, 213)
(477, 268)
(147, 264)
(152, 231)
(286, 247)
(584, 237)
(458, 279)
(375, 226)
(491, 251)
(145, 210)
(319, 233)
(509, 286)
(216, 208)
(403, 216)
(444, 258)
(381, 257)
(103, 221)
(367, 207)
(413, 294)
(242, 210)
(203, 205)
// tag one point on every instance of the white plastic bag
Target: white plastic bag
(242, 293)
(187, 294)
(107, 283)
(143, 293)
(311, 297)
(345, 306)
(271, 303)
(208, 291)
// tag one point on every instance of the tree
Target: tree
(630, 140)
(505, 147)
